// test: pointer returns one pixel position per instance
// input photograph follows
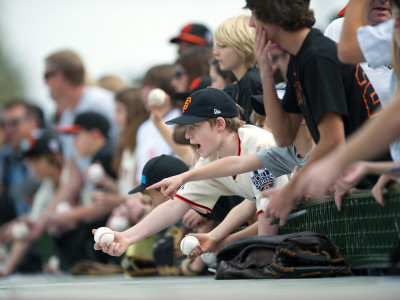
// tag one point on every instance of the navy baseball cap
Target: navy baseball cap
(206, 104)
(194, 33)
(158, 168)
(257, 101)
(88, 121)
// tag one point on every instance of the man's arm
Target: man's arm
(284, 125)
(227, 166)
(234, 219)
(281, 201)
(381, 131)
(158, 219)
(349, 50)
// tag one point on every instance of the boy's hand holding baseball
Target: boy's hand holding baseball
(117, 247)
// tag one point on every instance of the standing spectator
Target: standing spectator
(64, 75)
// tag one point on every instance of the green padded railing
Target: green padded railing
(365, 232)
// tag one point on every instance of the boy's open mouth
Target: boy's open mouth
(197, 146)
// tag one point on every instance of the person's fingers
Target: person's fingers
(97, 246)
(338, 200)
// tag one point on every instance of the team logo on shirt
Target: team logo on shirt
(263, 179)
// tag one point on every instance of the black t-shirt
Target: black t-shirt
(318, 82)
(249, 85)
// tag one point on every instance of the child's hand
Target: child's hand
(117, 247)
(169, 186)
(207, 244)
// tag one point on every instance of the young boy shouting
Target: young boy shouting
(214, 128)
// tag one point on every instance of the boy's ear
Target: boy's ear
(221, 124)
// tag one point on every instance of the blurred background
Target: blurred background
(113, 37)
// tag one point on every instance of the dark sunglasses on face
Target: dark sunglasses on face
(12, 123)
(49, 74)
(178, 73)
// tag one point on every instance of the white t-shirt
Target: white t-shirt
(375, 43)
(150, 143)
(203, 194)
(127, 172)
(379, 75)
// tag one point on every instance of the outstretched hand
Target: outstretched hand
(169, 186)
(117, 247)
(207, 244)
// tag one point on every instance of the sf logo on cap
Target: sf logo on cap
(188, 100)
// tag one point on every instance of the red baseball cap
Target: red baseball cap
(194, 33)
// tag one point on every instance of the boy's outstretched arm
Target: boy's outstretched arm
(161, 217)
(238, 215)
(227, 166)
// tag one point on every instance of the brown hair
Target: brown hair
(136, 115)
(70, 64)
(291, 15)
(195, 60)
(231, 124)
(160, 76)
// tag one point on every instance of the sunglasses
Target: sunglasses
(178, 73)
(11, 123)
(49, 74)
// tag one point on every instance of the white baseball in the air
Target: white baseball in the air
(209, 258)
(188, 244)
(104, 235)
(95, 172)
(119, 223)
(157, 97)
(20, 230)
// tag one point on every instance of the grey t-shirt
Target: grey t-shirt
(281, 160)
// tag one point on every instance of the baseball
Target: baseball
(157, 97)
(104, 235)
(188, 244)
(95, 172)
(209, 258)
(20, 230)
(63, 207)
(119, 223)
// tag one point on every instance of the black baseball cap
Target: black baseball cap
(206, 104)
(158, 168)
(41, 141)
(88, 121)
(194, 33)
(257, 101)
(197, 84)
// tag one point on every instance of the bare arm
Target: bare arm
(381, 131)
(282, 201)
(235, 218)
(284, 125)
(227, 166)
(159, 218)
(349, 50)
